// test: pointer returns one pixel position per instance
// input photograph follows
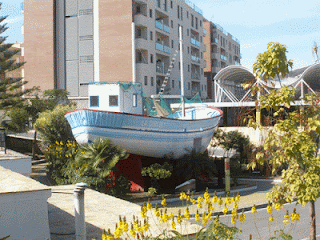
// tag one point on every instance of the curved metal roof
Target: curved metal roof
(235, 73)
(312, 76)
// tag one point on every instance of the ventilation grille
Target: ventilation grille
(86, 12)
(86, 37)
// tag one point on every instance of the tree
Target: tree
(11, 90)
(294, 141)
(272, 62)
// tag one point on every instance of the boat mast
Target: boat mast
(181, 73)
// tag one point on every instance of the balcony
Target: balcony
(162, 27)
(141, 19)
(204, 63)
(214, 55)
(214, 40)
(161, 69)
(163, 48)
(195, 42)
(204, 31)
(223, 57)
(195, 75)
(195, 59)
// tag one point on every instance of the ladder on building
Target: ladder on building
(165, 81)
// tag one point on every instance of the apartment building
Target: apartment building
(70, 43)
(17, 58)
(223, 50)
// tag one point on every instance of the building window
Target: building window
(179, 84)
(134, 100)
(201, 55)
(150, 13)
(94, 101)
(188, 50)
(181, 11)
(171, 24)
(201, 87)
(172, 83)
(188, 32)
(151, 35)
(151, 81)
(158, 3)
(192, 20)
(145, 80)
(151, 58)
(201, 70)
(205, 87)
(165, 5)
(188, 86)
(179, 65)
(171, 43)
(187, 14)
(178, 9)
(196, 23)
(200, 23)
(171, 4)
(113, 101)
(188, 68)
(200, 38)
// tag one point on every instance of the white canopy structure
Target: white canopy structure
(229, 91)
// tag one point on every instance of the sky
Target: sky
(255, 23)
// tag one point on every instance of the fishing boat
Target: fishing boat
(116, 112)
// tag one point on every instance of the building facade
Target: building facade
(223, 50)
(70, 43)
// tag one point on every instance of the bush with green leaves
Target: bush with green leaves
(53, 126)
(156, 172)
(19, 119)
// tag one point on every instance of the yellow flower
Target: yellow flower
(182, 196)
(206, 194)
(235, 206)
(286, 221)
(200, 199)
(287, 215)
(228, 200)
(197, 216)
(187, 198)
(163, 202)
(295, 216)
(271, 218)
(277, 206)
(233, 220)
(145, 226)
(253, 209)
(117, 233)
(179, 218)
(215, 198)
(192, 201)
(173, 225)
(157, 212)
(171, 215)
(242, 217)
(225, 209)
(220, 201)
(149, 205)
(187, 214)
(269, 209)
(199, 205)
(237, 197)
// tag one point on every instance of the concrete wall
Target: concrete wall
(23, 207)
(256, 136)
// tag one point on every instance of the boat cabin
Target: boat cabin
(116, 97)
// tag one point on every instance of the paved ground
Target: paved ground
(102, 211)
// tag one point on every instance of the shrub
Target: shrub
(19, 120)
(119, 187)
(156, 172)
(53, 126)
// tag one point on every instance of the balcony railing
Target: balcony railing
(214, 40)
(161, 69)
(192, 5)
(223, 57)
(194, 42)
(163, 48)
(204, 31)
(195, 76)
(195, 59)
(162, 27)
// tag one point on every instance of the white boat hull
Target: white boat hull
(142, 135)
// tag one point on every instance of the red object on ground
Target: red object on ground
(130, 168)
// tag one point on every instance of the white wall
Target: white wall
(23, 207)
(19, 165)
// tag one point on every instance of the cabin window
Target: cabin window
(94, 101)
(113, 101)
(134, 100)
